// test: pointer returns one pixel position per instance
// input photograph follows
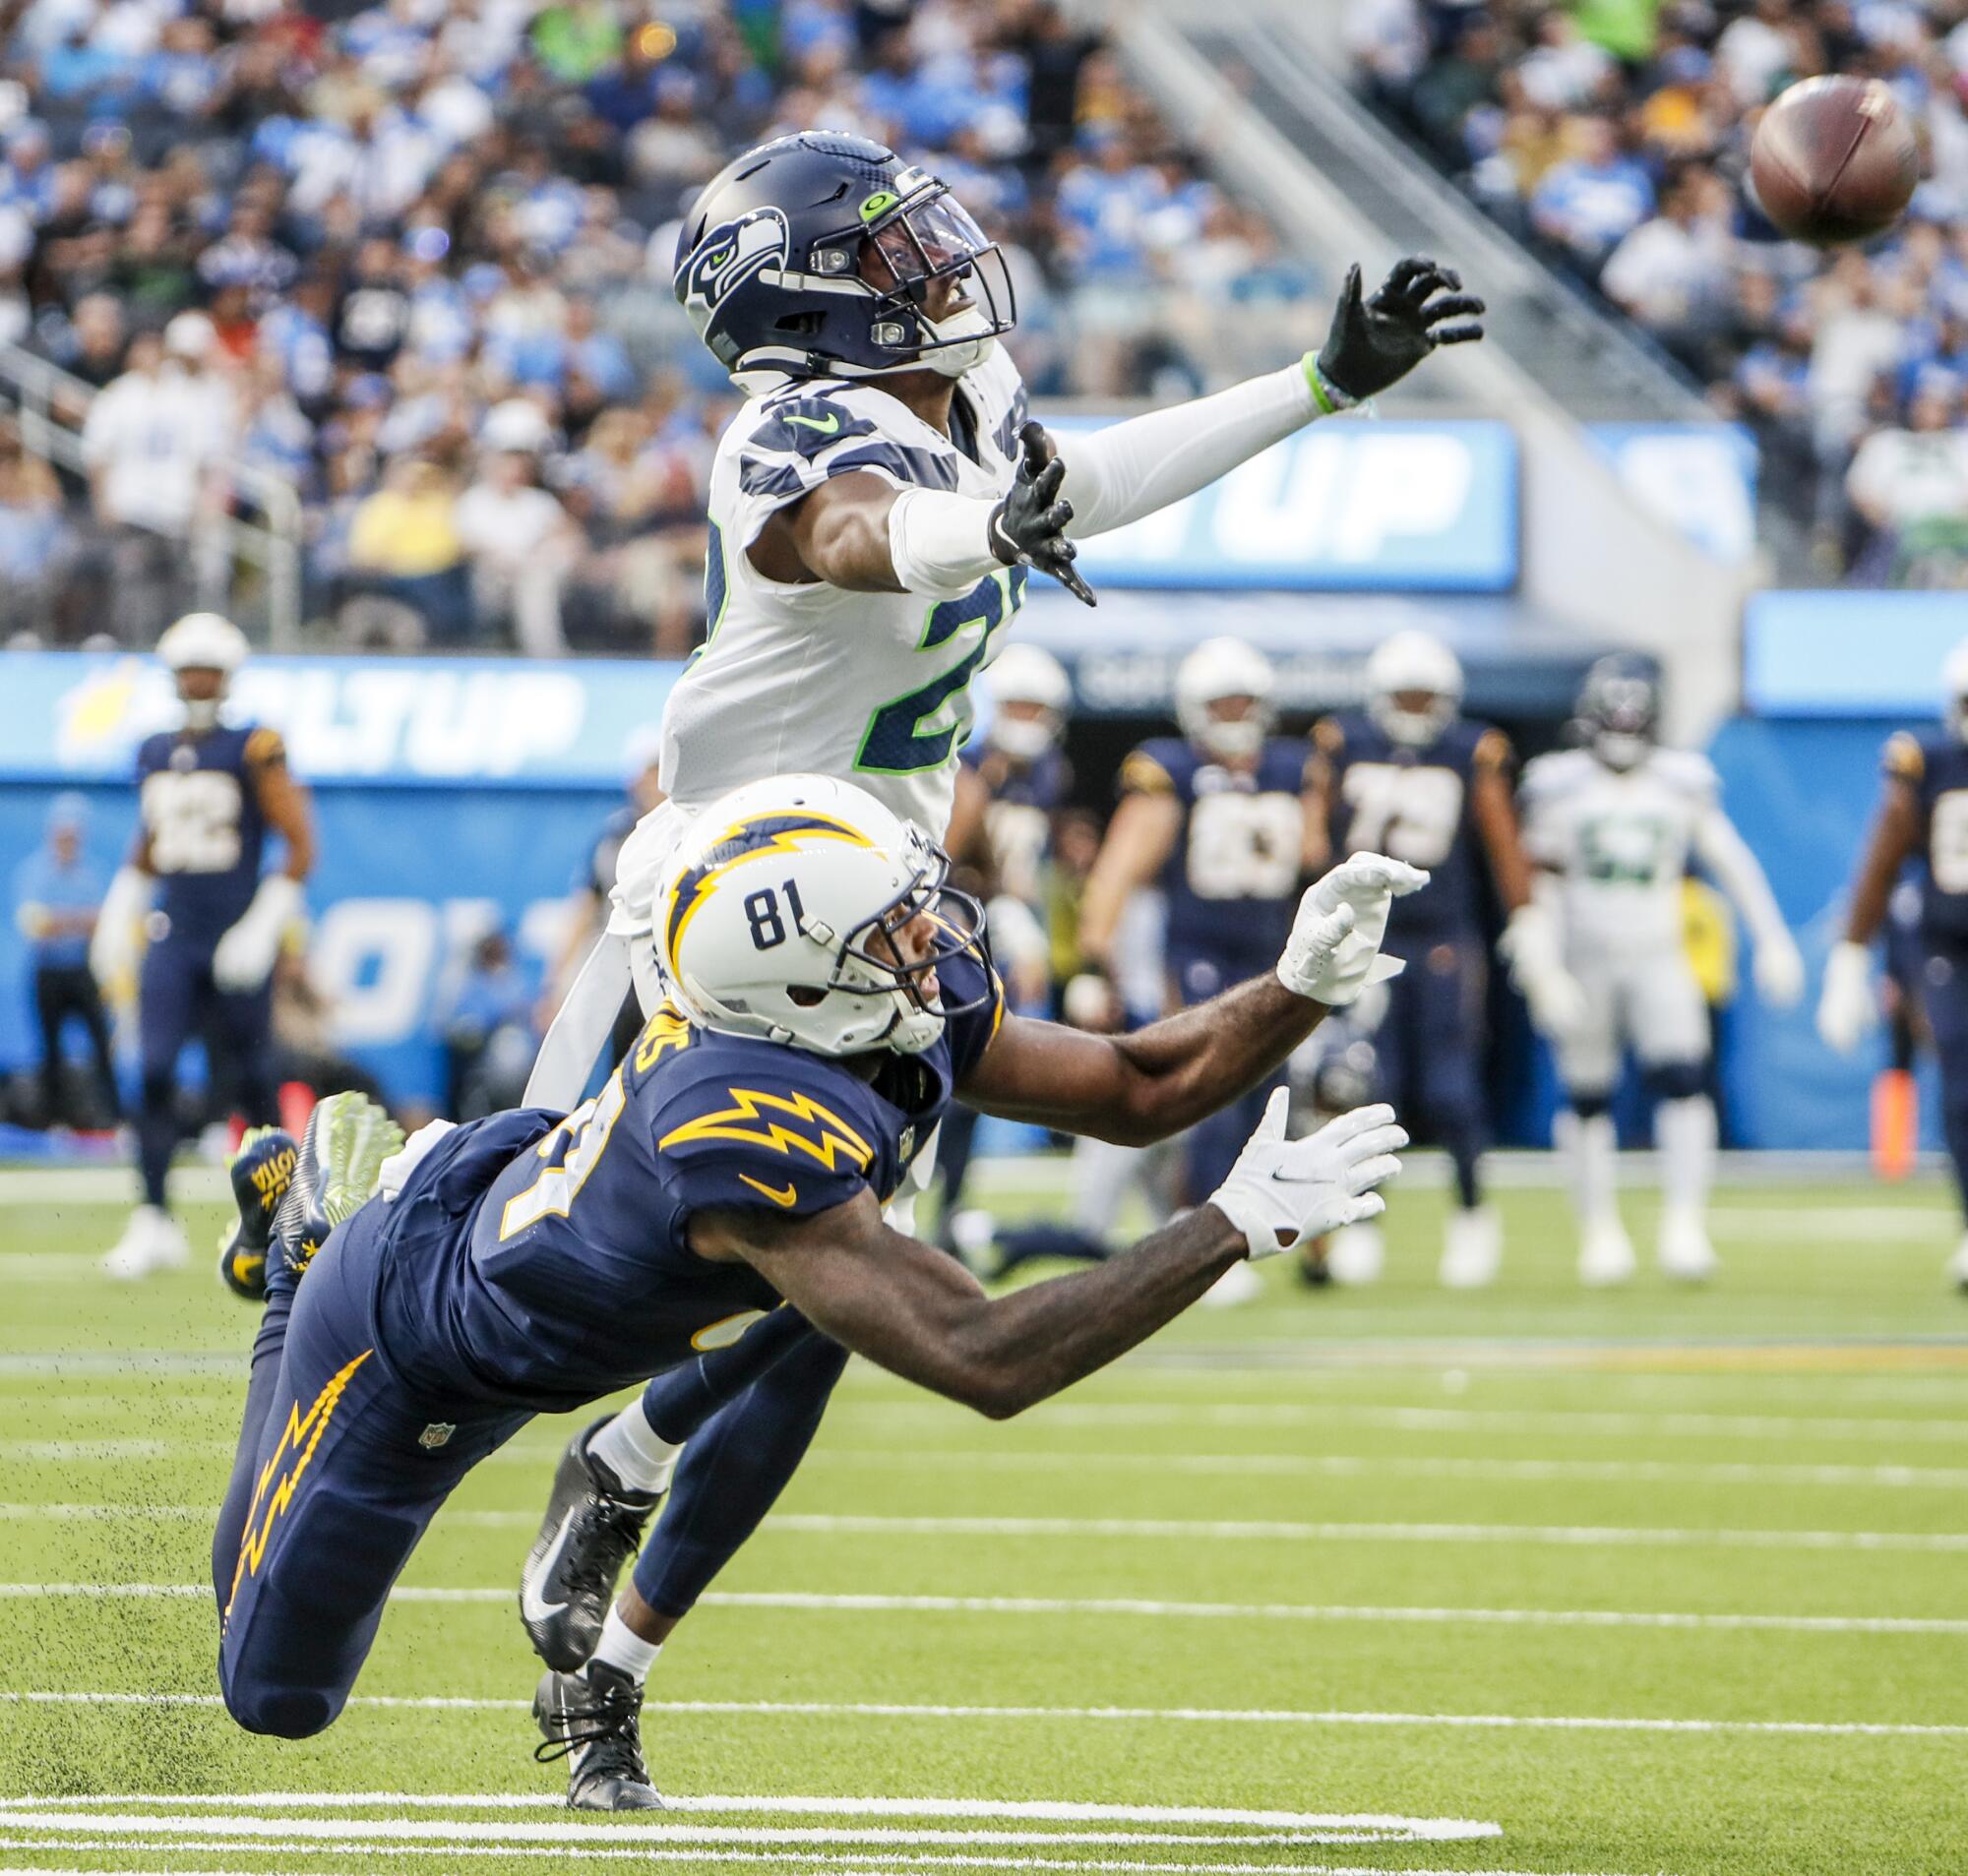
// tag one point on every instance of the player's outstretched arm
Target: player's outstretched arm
(920, 1315)
(1532, 943)
(1139, 1088)
(1118, 474)
(244, 957)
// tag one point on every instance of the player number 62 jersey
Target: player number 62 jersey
(874, 688)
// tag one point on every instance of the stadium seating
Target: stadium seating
(1615, 139)
(429, 244)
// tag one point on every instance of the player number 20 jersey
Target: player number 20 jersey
(874, 688)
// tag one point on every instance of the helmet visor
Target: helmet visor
(907, 255)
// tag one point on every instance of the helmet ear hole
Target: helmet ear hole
(806, 996)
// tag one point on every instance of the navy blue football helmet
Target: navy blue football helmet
(1619, 709)
(816, 254)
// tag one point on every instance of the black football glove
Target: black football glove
(1377, 342)
(1028, 526)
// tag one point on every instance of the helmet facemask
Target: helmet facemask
(1622, 723)
(874, 962)
(904, 251)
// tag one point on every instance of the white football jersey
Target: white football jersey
(1619, 839)
(872, 687)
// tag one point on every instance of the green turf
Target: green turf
(1409, 1509)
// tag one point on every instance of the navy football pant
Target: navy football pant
(176, 1000)
(339, 1470)
(1943, 991)
(1212, 1145)
(1429, 1049)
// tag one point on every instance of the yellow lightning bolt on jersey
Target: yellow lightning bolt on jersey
(817, 1131)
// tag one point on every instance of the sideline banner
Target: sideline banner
(570, 722)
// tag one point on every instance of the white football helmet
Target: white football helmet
(1026, 674)
(203, 641)
(1411, 664)
(778, 916)
(1217, 669)
(1954, 681)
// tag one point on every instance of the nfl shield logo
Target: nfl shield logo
(435, 1434)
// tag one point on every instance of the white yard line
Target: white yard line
(1209, 1716)
(1261, 1464)
(1162, 1529)
(1408, 1418)
(822, 1602)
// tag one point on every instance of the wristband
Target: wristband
(1327, 395)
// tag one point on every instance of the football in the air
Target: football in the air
(1833, 161)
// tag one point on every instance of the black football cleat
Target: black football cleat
(337, 1168)
(593, 1526)
(593, 1720)
(261, 1171)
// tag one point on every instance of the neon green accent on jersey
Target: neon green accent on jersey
(826, 428)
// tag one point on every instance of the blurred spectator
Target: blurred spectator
(56, 893)
(489, 1033)
(1590, 202)
(1673, 273)
(32, 535)
(405, 549)
(1910, 484)
(521, 542)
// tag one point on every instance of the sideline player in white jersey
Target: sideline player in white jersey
(1614, 825)
(878, 504)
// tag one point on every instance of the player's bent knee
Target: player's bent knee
(1674, 1080)
(280, 1709)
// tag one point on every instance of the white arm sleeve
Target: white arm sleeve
(1727, 855)
(939, 544)
(1117, 475)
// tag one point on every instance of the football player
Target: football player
(1412, 774)
(1008, 792)
(878, 504)
(1214, 817)
(1614, 826)
(1923, 817)
(830, 995)
(209, 793)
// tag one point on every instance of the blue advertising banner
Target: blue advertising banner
(1355, 506)
(579, 722)
(1849, 653)
(1700, 478)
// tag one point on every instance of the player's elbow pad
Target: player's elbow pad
(940, 544)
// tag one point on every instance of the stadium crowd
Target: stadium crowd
(415, 258)
(1614, 137)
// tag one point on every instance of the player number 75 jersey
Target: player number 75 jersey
(874, 688)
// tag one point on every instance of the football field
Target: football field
(1391, 1580)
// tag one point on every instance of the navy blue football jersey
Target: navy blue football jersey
(199, 798)
(1933, 764)
(1024, 798)
(572, 1273)
(1231, 881)
(1414, 803)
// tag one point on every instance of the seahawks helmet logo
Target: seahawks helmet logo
(728, 256)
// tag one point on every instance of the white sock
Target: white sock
(1591, 1147)
(1686, 1130)
(628, 1446)
(621, 1647)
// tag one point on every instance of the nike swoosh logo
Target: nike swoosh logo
(826, 428)
(533, 1604)
(789, 1197)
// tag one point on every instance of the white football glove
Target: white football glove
(1846, 1008)
(243, 958)
(112, 947)
(1281, 1191)
(1529, 945)
(1780, 971)
(1334, 952)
